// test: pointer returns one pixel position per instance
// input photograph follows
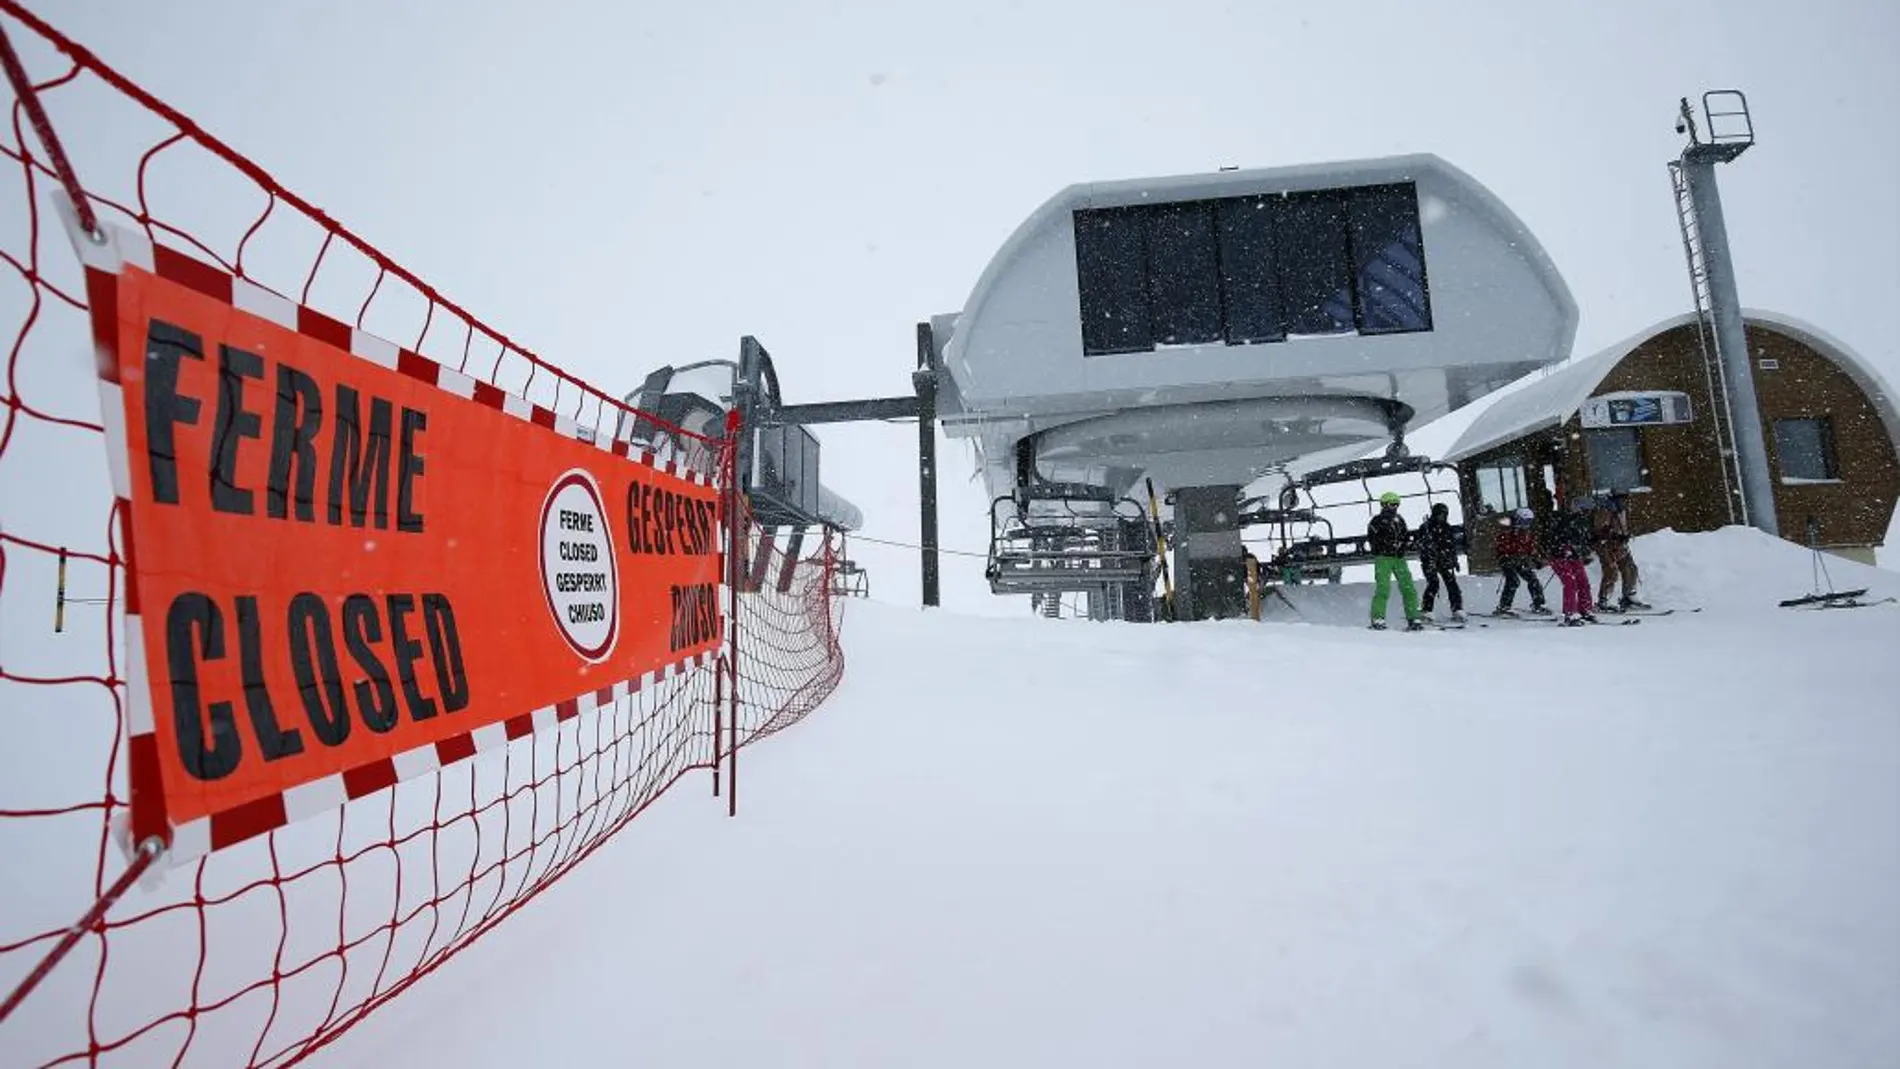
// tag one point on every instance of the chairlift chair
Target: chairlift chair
(850, 580)
(1054, 542)
(1327, 556)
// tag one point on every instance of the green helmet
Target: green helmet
(1388, 498)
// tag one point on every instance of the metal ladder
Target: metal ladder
(1707, 341)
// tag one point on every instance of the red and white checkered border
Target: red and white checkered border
(123, 246)
(196, 838)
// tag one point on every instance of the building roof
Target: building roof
(1554, 396)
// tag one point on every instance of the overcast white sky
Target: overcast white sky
(622, 185)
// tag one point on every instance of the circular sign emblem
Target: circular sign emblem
(578, 569)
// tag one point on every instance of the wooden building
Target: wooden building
(1636, 418)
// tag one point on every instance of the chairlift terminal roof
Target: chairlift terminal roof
(1399, 280)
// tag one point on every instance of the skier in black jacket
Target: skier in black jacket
(1570, 541)
(1438, 558)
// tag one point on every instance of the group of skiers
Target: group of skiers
(1593, 527)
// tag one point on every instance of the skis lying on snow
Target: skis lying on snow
(1845, 599)
(1833, 599)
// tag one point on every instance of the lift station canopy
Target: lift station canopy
(1205, 329)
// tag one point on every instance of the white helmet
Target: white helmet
(1525, 514)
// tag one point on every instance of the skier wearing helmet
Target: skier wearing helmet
(1438, 559)
(1387, 537)
(1517, 559)
(1570, 549)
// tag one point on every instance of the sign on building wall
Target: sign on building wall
(1634, 409)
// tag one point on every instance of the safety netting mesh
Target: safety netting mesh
(262, 952)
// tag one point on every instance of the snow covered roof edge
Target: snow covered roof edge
(1548, 401)
(1557, 394)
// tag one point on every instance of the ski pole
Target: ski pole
(1161, 547)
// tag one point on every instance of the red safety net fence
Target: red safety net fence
(261, 953)
(789, 610)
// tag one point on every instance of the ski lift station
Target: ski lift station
(1178, 338)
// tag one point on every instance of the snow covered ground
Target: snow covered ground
(1041, 843)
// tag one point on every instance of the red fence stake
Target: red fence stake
(736, 534)
(148, 853)
(43, 129)
(719, 719)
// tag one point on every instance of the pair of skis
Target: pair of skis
(1830, 599)
(1624, 618)
(1844, 599)
(1615, 616)
(1424, 625)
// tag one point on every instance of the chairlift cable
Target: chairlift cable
(913, 545)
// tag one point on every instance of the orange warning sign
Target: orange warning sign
(337, 562)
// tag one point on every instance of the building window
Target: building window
(1251, 269)
(1183, 275)
(1617, 462)
(1250, 289)
(1111, 261)
(1388, 260)
(1501, 485)
(1316, 279)
(1805, 448)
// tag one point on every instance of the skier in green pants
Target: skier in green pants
(1387, 536)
